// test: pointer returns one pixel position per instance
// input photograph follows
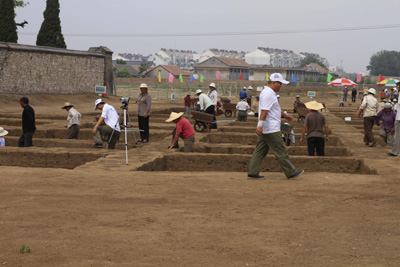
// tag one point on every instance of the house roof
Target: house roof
(234, 62)
(317, 67)
(174, 70)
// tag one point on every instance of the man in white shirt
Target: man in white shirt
(369, 107)
(111, 128)
(242, 107)
(73, 119)
(207, 106)
(396, 147)
(269, 131)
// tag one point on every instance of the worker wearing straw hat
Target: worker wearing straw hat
(2, 133)
(369, 108)
(313, 125)
(183, 129)
(73, 119)
(144, 105)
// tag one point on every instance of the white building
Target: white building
(180, 58)
(213, 52)
(274, 57)
(258, 57)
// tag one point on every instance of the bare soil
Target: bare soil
(72, 208)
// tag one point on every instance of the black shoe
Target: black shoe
(296, 174)
(175, 146)
(391, 154)
(97, 145)
(255, 177)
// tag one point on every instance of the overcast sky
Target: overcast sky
(128, 17)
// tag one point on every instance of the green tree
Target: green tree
(321, 79)
(310, 59)
(20, 3)
(50, 32)
(385, 62)
(8, 28)
(143, 66)
(121, 61)
(123, 72)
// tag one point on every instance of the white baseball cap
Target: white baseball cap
(277, 77)
(98, 101)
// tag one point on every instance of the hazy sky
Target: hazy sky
(129, 17)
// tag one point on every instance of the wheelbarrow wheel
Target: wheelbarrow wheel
(199, 126)
(228, 113)
(301, 119)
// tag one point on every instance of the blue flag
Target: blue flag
(191, 79)
(293, 78)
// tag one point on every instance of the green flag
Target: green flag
(201, 78)
(329, 78)
(181, 78)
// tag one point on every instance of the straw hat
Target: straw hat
(143, 85)
(250, 88)
(314, 105)
(199, 91)
(3, 132)
(212, 85)
(372, 91)
(67, 105)
(297, 96)
(174, 116)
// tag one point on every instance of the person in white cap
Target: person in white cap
(144, 101)
(369, 108)
(396, 147)
(111, 119)
(183, 130)
(269, 131)
(73, 119)
(314, 125)
(213, 95)
(207, 106)
(243, 107)
(297, 100)
(388, 117)
(2, 133)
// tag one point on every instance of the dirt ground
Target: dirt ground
(107, 213)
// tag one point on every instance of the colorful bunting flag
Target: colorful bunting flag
(381, 78)
(267, 77)
(329, 78)
(191, 79)
(171, 78)
(241, 77)
(293, 78)
(180, 77)
(159, 76)
(201, 78)
(218, 74)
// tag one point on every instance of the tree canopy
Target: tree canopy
(50, 32)
(123, 72)
(8, 28)
(20, 3)
(311, 59)
(385, 62)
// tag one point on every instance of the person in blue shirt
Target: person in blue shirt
(243, 94)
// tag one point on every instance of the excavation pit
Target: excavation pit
(239, 163)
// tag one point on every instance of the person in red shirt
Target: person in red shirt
(187, 101)
(183, 130)
(383, 94)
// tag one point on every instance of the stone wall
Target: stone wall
(32, 69)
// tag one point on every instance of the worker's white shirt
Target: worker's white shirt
(397, 109)
(269, 101)
(111, 117)
(74, 117)
(213, 95)
(242, 105)
(205, 101)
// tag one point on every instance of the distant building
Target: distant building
(130, 59)
(133, 70)
(181, 58)
(214, 52)
(315, 67)
(273, 57)
(258, 57)
(165, 70)
(230, 68)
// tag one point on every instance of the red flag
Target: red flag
(358, 77)
(241, 77)
(381, 78)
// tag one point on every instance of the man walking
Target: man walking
(111, 119)
(73, 119)
(313, 125)
(369, 108)
(242, 106)
(269, 131)
(28, 123)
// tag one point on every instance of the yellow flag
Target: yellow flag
(267, 77)
(159, 76)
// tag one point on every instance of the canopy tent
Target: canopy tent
(388, 82)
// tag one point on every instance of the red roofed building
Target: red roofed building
(230, 68)
(165, 71)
